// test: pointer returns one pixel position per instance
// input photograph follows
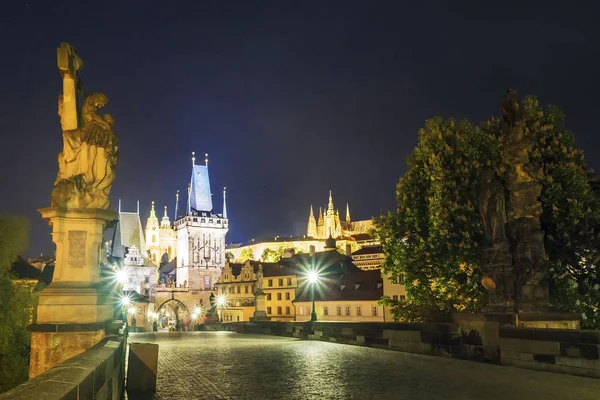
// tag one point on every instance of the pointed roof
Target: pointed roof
(152, 220)
(347, 212)
(199, 197)
(165, 222)
(330, 205)
(129, 233)
(224, 202)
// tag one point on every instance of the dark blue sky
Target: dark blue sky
(290, 99)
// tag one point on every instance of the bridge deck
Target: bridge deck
(224, 365)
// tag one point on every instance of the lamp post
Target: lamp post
(313, 277)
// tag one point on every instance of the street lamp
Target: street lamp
(313, 278)
(221, 303)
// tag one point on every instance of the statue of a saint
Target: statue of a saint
(86, 166)
(259, 280)
(492, 209)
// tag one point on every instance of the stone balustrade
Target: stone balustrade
(568, 351)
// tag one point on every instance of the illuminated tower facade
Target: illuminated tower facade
(200, 235)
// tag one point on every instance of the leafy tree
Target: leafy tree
(269, 255)
(229, 257)
(247, 254)
(436, 237)
(16, 303)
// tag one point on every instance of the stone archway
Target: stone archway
(173, 314)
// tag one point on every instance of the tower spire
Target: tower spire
(311, 212)
(176, 206)
(206, 159)
(347, 213)
(224, 202)
(330, 205)
(193, 158)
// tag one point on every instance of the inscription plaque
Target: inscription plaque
(77, 249)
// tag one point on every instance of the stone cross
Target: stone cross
(68, 64)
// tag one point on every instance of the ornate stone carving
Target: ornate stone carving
(86, 166)
(77, 241)
(514, 265)
(259, 280)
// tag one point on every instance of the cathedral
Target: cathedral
(330, 224)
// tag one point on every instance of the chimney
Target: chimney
(348, 250)
(312, 250)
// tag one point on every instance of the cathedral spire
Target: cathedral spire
(330, 205)
(312, 215)
(152, 220)
(224, 202)
(347, 213)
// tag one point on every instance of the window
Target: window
(270, 282)
(246, 287)
(153, 238)
(278, 296)
(347, 310)
(395, 297)
(402, 297)
(287, 311)
(147, 279)
(301, 310)
(223, 290)
(358, 311)
(338, 310)
(268, 310)
(268, 296)
(207, 283)
(400, 279)
(238, 318)
(325, 310)
(278, 310)
(280, 282)
(231, 289)
(239, 289)
(374, 311)
(287, 295)
(289, 281)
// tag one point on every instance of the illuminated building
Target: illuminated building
(329, 223)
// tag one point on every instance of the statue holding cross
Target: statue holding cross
(86, 166)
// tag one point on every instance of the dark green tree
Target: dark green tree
(269, 255)
(16, 305)
(435, 237)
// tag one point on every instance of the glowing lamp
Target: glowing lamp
(313, 277)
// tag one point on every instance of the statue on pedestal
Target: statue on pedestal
(513, 266)
(259, 280)
(86, 166)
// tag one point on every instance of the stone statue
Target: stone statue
(259, 279)
(513, 266)
(86, 166)
(492, 208)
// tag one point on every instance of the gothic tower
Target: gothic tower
(200, 236)
(312, 225)
(153, 237)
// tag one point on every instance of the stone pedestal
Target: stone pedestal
(259, 307)
(73, 309)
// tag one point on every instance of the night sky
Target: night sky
(290, 99)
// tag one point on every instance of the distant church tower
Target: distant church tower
(153, 237)
(312, 225)
(200, 235)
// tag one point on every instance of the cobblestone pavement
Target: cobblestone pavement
(225, 365)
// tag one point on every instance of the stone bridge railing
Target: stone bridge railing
(97, 373)
(568, 351)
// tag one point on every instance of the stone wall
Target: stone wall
(566, 351)
(97, 373)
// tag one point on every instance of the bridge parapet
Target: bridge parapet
(97, 373)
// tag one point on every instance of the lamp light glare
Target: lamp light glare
(313, 277)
